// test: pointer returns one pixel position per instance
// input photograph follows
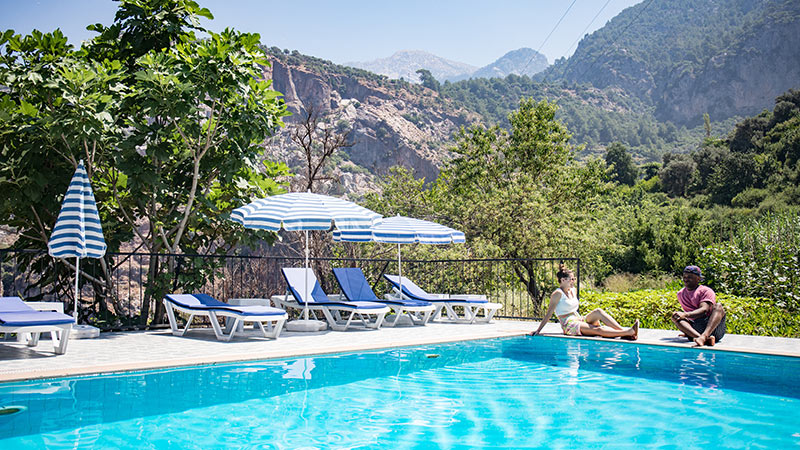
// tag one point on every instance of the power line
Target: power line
(587, 27)
(614, 40)
(548, 37)
(583, 32)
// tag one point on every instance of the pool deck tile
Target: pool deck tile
(125, 351)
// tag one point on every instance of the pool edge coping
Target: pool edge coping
(102, 369)
(745, 350)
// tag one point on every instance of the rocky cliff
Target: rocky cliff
(392, 122)
(740, 80)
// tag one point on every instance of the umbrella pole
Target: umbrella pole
(305, 306)
(77, 294)
(399, 271)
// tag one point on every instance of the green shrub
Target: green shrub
(625, 282)
(749, 198)
(653, 308)
(760, 260)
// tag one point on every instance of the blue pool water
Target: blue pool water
(514, 393)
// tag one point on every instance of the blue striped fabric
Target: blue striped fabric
(78, 232)
(403, 230)
(303, 211)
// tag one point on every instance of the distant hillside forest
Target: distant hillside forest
(756, 166)
(654, 78)
(595, 117)
(730, 206)
(649, 76)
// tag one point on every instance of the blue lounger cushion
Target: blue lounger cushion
(14, 312)
(355, 287)
(470, 303)
(22, 319)
(415, 292)
(305, 292)
(203, 302)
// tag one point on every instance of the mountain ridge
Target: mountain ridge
(688, 57)
(522, 61)
(405, 63)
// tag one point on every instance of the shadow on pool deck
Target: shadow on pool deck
(124, 351)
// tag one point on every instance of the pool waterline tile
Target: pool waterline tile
(127, 351)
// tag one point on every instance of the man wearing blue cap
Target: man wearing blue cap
(702, 319)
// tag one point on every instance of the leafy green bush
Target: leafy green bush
(653, 308)
(760, 260)
(624, 282)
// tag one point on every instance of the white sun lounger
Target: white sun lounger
(472, 304)
(17, 317)
(205, 305)
(318, 301)
(355, 287)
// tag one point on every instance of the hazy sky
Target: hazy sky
(473, 32)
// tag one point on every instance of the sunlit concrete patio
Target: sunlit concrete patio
(158, 349)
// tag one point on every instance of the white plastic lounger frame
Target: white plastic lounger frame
(472, 304)
(204, 305)
(333, 315)
(59, 334)
(418, 315)
(28, 326)
(331, 307)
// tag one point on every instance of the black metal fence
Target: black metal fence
(122, 290)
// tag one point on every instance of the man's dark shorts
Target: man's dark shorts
(700, 324)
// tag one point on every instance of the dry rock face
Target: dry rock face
(742, 80)
(389, 125)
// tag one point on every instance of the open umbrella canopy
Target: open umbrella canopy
(403, 230)
(304, 211)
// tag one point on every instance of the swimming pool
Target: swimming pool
(513, 392)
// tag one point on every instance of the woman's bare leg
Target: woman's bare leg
(631, 333)
(598, 315)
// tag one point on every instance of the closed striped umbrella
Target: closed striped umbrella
(78, 233)
(304, 211)
(403, 230)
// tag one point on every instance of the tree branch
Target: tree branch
(42, 230)
(114, 177)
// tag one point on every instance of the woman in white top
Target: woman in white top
(564, 303)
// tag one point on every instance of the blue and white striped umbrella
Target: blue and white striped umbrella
(78, 233)
(403, 230)
(303, 211)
